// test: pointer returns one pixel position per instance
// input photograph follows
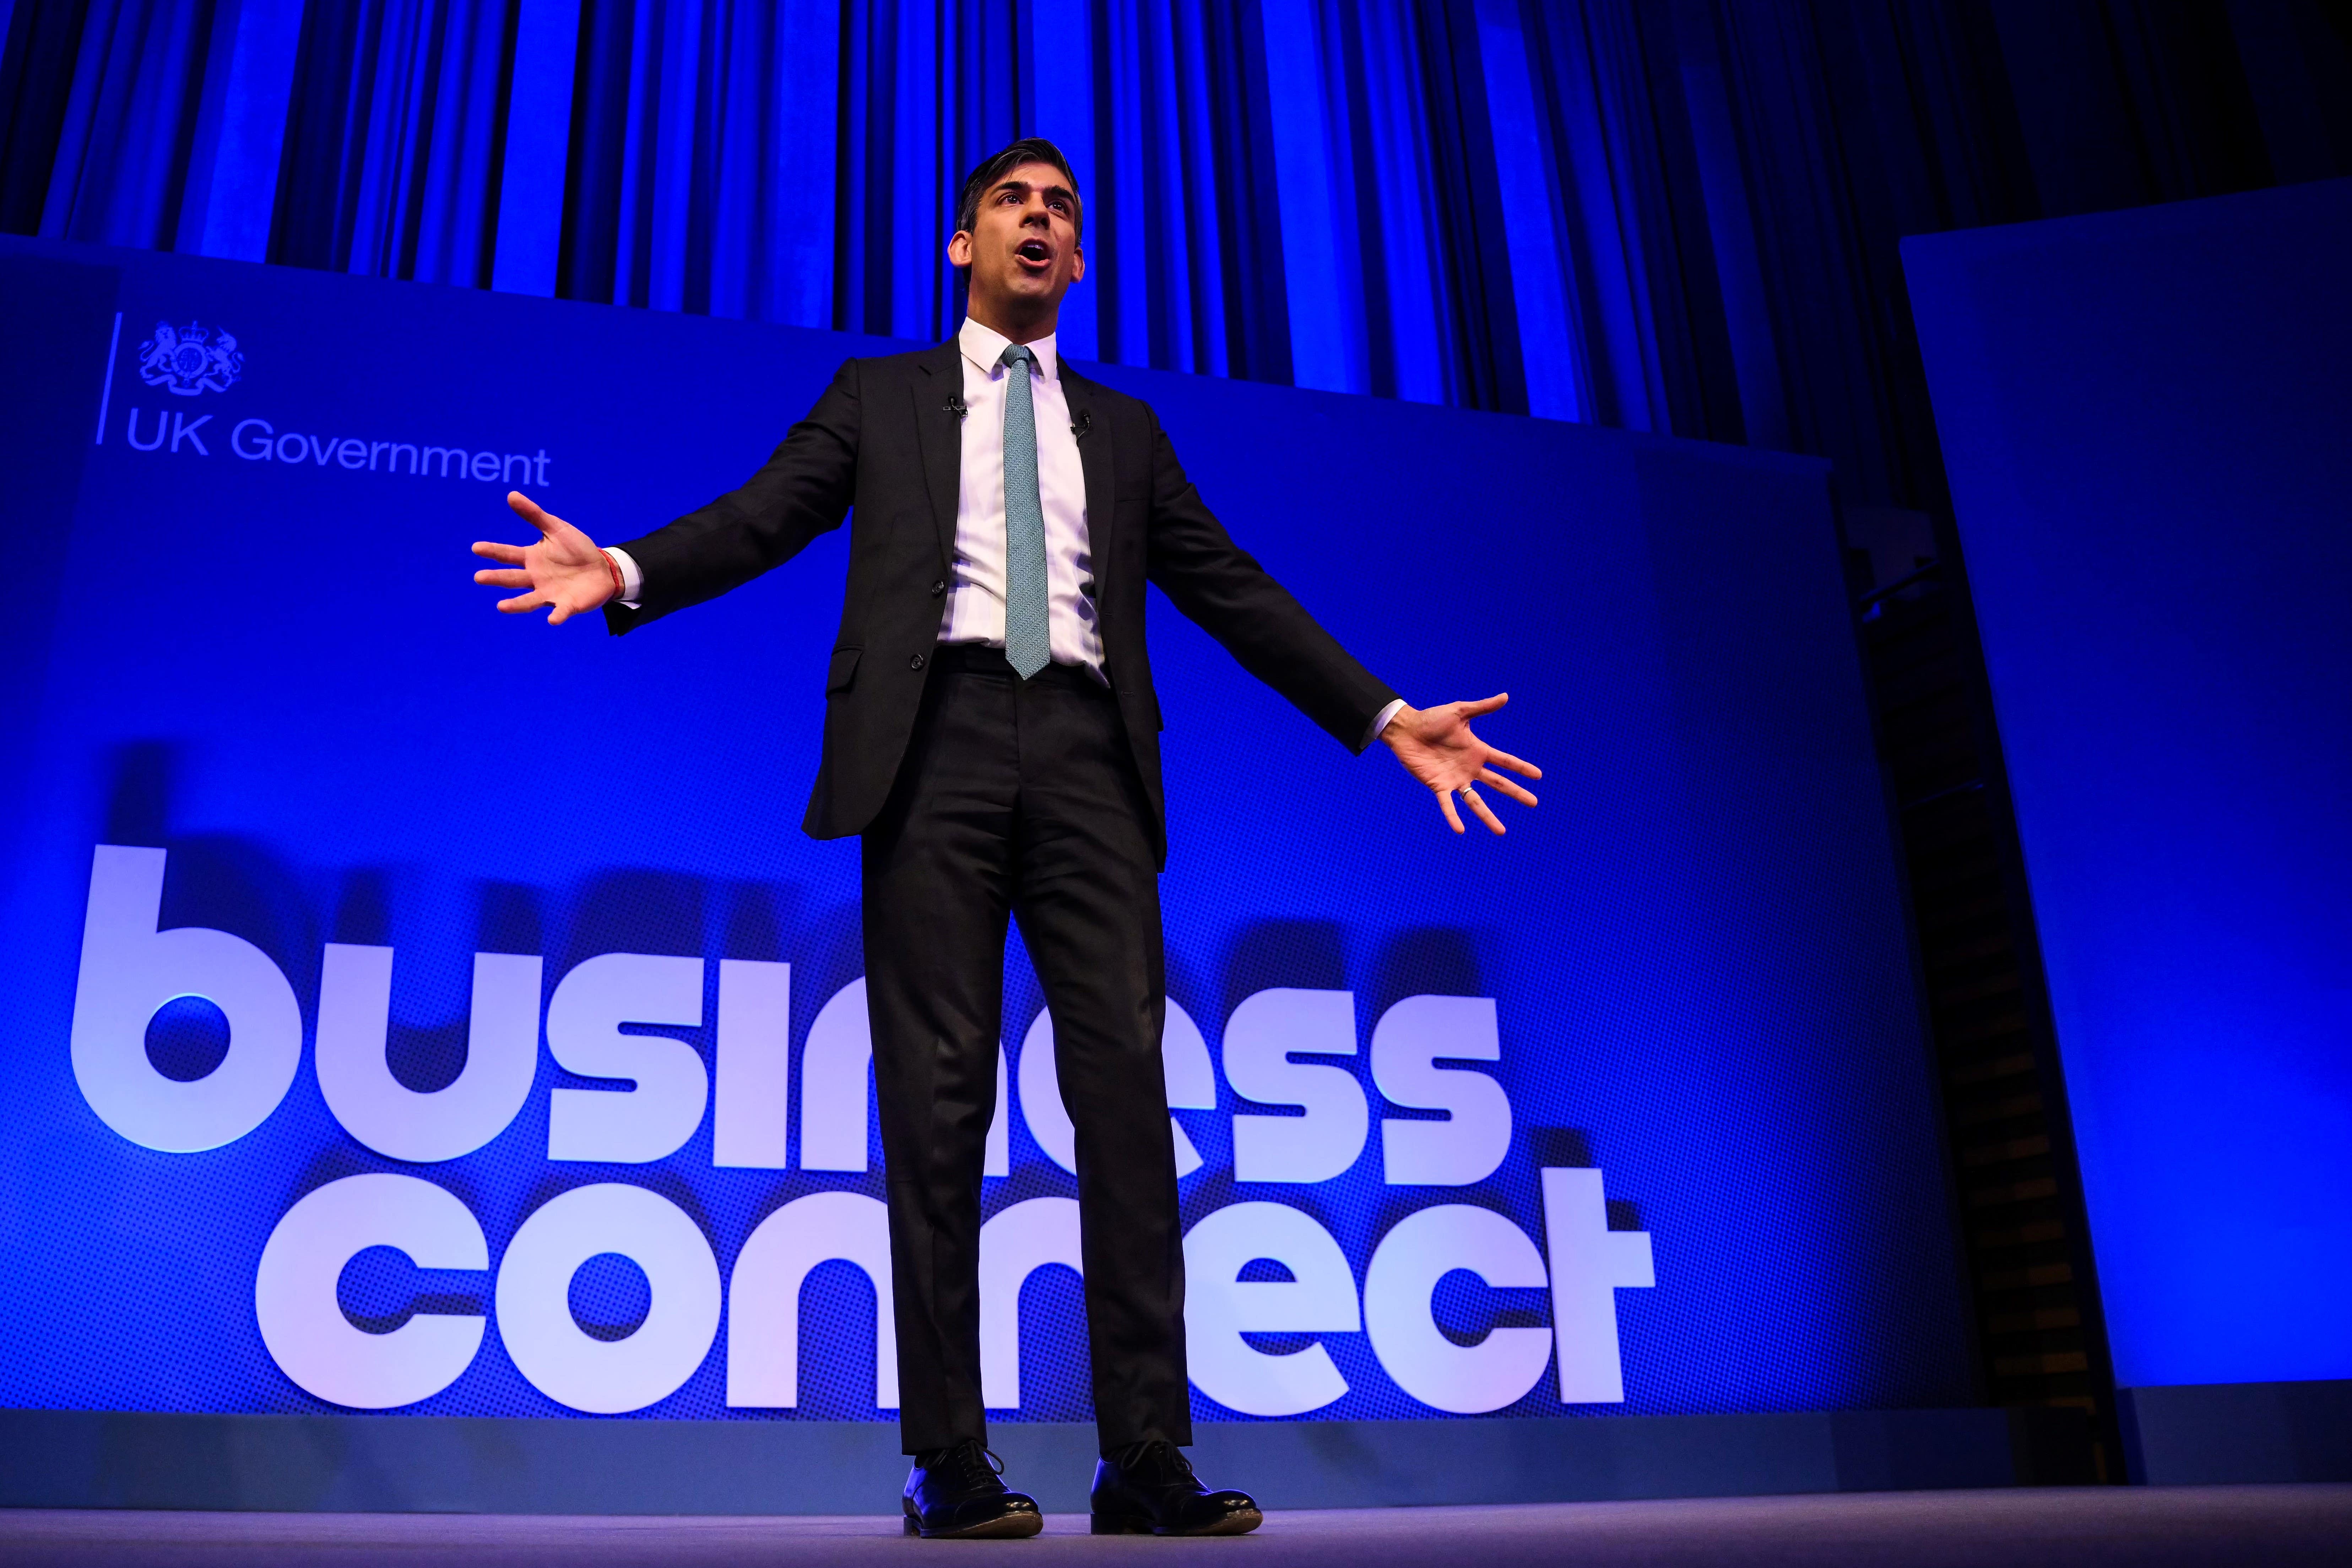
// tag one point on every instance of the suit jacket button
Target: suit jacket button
(939, 588)
(915, 662)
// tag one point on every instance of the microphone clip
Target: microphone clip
(1084, 422)
(955, 405)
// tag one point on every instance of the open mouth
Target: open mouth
(1035, 252)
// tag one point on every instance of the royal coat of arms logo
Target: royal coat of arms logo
(190, 360)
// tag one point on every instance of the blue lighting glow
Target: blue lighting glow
(2145, 414)
(254, 665)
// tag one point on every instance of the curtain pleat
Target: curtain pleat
(133, 76)
(395, 133)
(1678, 215)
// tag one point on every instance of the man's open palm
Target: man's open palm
(1437, 747)
(565, 572)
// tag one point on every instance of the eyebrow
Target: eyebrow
(1025, 186)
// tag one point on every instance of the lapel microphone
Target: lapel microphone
(1086, 422)
(955, 405)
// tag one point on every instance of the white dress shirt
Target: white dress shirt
(975, 599)
(975, 607)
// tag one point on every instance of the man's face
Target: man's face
(1023, 245)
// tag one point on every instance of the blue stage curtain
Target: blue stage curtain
(391, 158)
(1678, 215)
(117, 85)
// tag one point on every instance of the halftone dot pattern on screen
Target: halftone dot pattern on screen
(1694, 946)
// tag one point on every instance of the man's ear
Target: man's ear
(960, 249)
(1078, 263)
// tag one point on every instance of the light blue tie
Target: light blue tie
(1028, 644)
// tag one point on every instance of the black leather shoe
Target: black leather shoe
(954, 1493)
(1149, 1488)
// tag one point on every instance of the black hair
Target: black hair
(992, 169)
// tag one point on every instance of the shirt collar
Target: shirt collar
(983, 345)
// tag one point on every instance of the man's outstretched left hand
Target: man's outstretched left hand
(1437, 747)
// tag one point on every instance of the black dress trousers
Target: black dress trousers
(1020, 798)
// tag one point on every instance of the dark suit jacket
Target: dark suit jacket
(883, 444)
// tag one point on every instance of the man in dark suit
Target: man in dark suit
(991, 732)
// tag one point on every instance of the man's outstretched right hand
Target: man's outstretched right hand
(563, 571)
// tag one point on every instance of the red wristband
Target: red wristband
(619, 587)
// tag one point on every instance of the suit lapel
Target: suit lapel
(937, 394)
(1095, 460)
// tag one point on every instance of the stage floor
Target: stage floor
(2049, 1528)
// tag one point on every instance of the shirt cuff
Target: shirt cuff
(632, 582)
(1380, 720)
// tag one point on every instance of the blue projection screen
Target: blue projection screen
(2149, 426)
(320, 873)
